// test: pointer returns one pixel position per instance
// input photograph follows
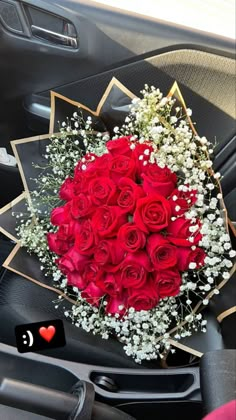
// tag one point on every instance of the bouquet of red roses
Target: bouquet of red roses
(132, 225)
(123, 237)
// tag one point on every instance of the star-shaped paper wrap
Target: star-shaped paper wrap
(110, 112)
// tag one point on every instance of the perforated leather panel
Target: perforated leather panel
(207, 82)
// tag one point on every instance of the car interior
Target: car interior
(74, 48)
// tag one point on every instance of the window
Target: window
(214, 16)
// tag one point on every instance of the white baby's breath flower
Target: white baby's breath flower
(192, 265)
(173, 120)
(205, 302)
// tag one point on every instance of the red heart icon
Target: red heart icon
(47, 333)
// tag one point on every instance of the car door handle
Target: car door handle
(54, 37)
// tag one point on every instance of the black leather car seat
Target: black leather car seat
(218, 378)
(22, 301)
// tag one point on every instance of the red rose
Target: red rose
(87, 160)
(119, 146)
(129, 194)
(110, 283)
(107, 220)
(97, 168)
(168, 282)
(187, 256)
(108, 252)
(138, 151)
(61, 215)
(92, 294)
(89, 168)
(158, 180)
(66, 191)
(101, 190)
(76, 279)
(131, 238)
(152, 213)
(72, 261)
(72, 265)
(61, 241)
(117, 305)
(134, 270)
(145, 298)
(85, 238)
(121, 166)
(181, 201)
(162, 253)
(179, 233)
(92, 272)
(57, 245)
(80, 184)
(69, 231)
(101, 164)
(81, 206)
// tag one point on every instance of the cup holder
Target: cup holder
(130, 385)
(160, 384)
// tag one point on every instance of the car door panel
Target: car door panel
(210, 93)
(105, 38)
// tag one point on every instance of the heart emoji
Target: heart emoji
(47, 333)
